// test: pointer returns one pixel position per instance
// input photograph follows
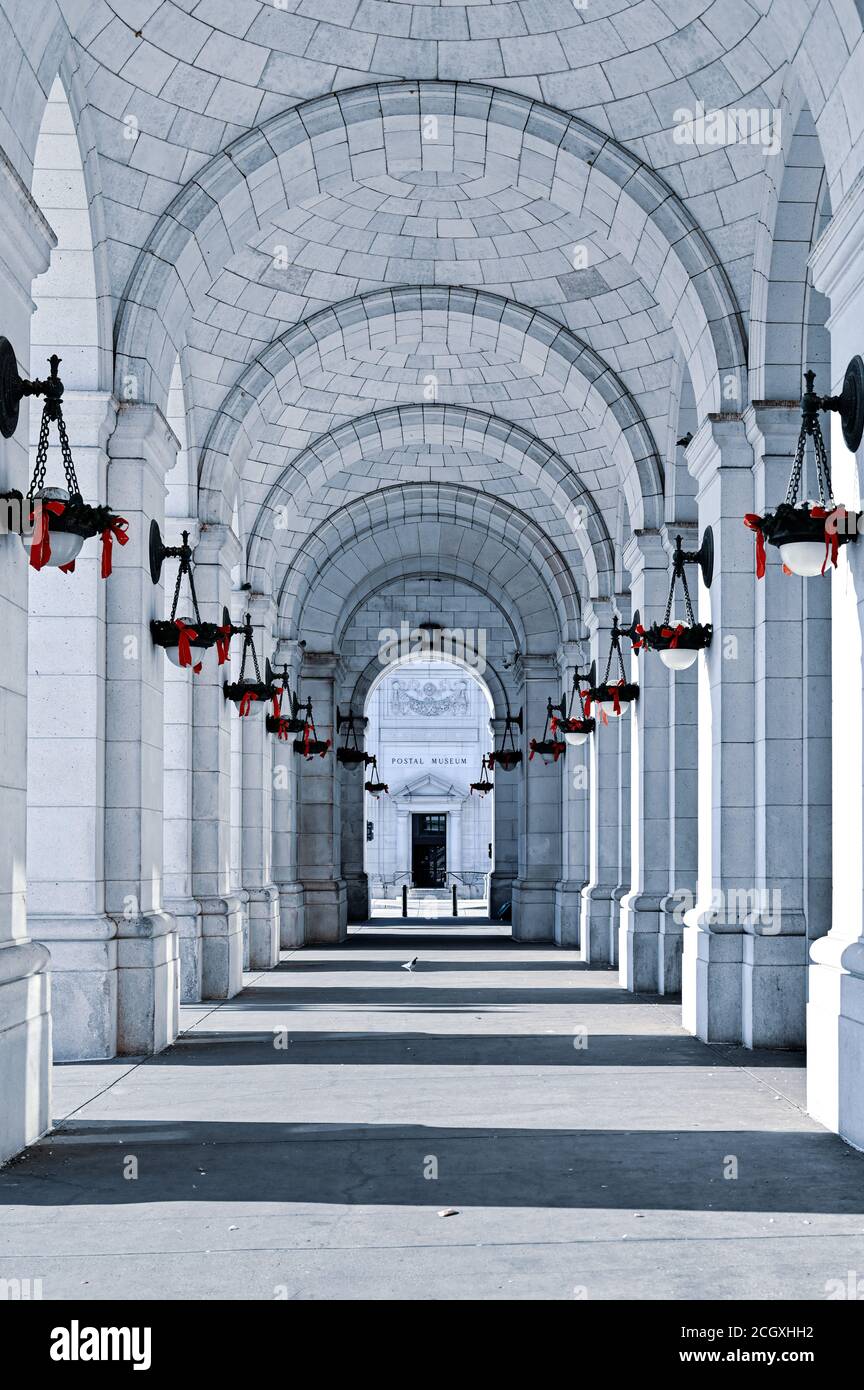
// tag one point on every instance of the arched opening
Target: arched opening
(429, 841)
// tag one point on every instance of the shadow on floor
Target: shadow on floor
(189, 1162)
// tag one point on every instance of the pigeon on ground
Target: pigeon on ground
(409, 964)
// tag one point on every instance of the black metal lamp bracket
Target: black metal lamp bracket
(13, 388)
(703, 557)
(159, 552)
(849, 404)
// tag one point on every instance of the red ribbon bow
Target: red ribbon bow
(754, 523)
(40, 546)
(674, 633)
(115, 530)
(246, 702)
(832, 536)
(283, 729)
(185, 637)
(641, 631)
(277, 705)
(223, 642)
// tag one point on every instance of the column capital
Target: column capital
(774, 424)
(535, 666)
(720, 442)
(142, 432)
(27, 237)
(570, 654)
(687, 530)
(598, 614)
(644, 551)
(217, 544)
(321, 665)
(289, 653)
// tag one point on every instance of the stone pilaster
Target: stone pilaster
(218, 550)
(574, 816)
(25, 1016)
(603, 804)
(683, 796)
(721, 458)
(262, 895)
(319, 853)
(285, 816)
(793, 759)
(540, 810)
(505, 810)
(835, 1009)
(650, 825)
(141, 451)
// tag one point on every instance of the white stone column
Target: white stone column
(540, 810)
(505, 809)
(25, 1018)
(650, 827)
(603, 805)
(575, 781)
(454, 840)
(141, 450)
(793, 759)
(720, 459)
(65, 746)
(835, 1010)
(221, 910)
(319, 862)
(621, 730)
(683, 795)
(285, 815)
(177, 810)
(403, 840)
(262, 895)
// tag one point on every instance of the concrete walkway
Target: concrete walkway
(282, 1146)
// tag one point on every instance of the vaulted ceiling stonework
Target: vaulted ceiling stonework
(406, 354)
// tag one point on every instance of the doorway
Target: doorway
(429, 851)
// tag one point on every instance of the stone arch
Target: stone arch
(324, 572)
(559, 156)
(461, 425)
(482, 318)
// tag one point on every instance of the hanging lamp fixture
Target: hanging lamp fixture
(485, 784)
(245, 693)
(309, 745)
(548, 746)
(54, 521)
(351, 754)
(570, 719)
(808, 533)
(507, 757)
(679, 644)
(374, 787)
(614, 697)
(186, 639)
(284, 725)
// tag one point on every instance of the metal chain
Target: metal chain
(823, 471)
(68, 465)
(615, 646)
(38, 479)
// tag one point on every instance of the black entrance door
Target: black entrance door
(429, 851)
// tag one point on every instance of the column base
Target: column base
(325, 912)
(187, 919)
(670, 945)
(501, 896)
(262, 908)
(148, 984)
(774, 990)
(357, 888)
(638, 938)
(597, 900)
(568, 913)
(222, 958)
(711, 972)
(533, 911)
(291, 924)
(25, 1046)
(835, 1038)
(83, 985)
